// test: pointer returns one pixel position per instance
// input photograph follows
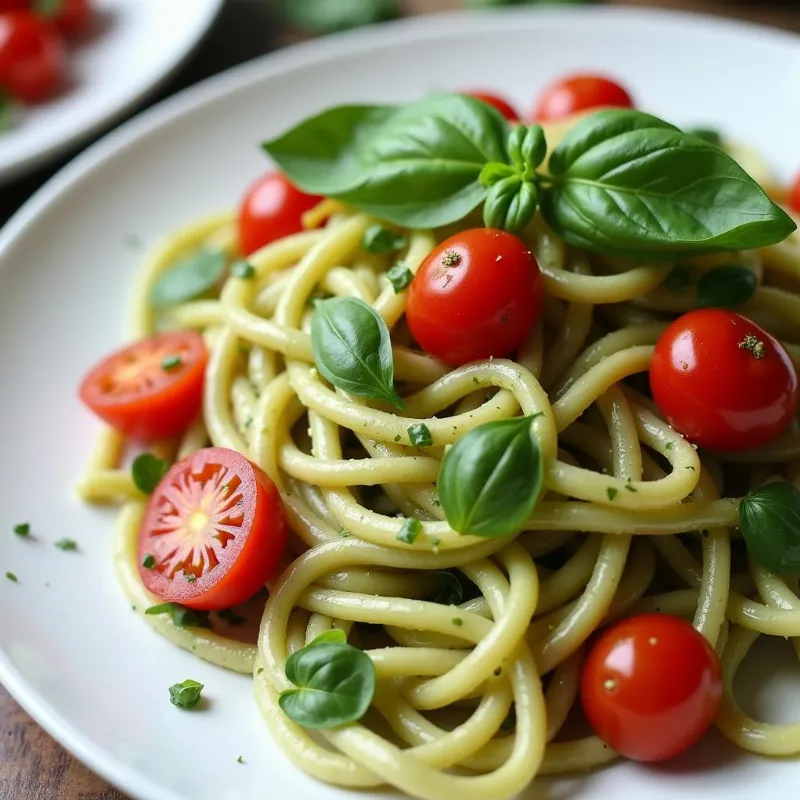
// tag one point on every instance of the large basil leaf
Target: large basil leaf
(352, 348)
(769, 519)
(335, 684)
(627, 186)
(491, 479)
(415, 165)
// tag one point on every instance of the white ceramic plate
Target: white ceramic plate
(137, 44)
(71, 650)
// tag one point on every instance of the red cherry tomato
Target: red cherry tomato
(215, 530)
(153, 388)
(32, 57)
(722, 381)
(14, 5)
(580, 93)
(272, 208)
(503, 106)
(73, 17)
(478, 294)
(794, 196)
(651, 687)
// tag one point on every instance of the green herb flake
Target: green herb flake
(181, 616)
(186, 695)
(398, 438)
(148, 562)
(378, 239)
(240, 760)
(23, 530)
(171, 363)
(67, 545)
(631, 488)
(147, 471)
(669, 445)
(259, 670)
(344, 534)
(458, 622)
(243, 269)
(419, 435)
(190, 577)
(400, 277)
(435, 543)
(611, 492)
(409, 530)
(12, 577)
(231, 617)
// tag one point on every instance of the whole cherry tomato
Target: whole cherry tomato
(478, 294)
(651, 686)
(580, 93)
(502, 105)
(722, 381)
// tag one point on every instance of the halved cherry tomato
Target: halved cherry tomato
(651, 687)
(502, 105)
(794, 196)
(32, 56)
(478, 294)
(215, 529)
(153, 388)
(272, 208)
(580, 93)
(722, 381)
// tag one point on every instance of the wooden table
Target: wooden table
(32, 765)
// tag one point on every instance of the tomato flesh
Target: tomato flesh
(152, 389)
(32, 57)
(494, 100)
(477, 295)
(271, 209)
(794, 196)
(580, 93)
(651, 687)
(714, 390)
(214, 529)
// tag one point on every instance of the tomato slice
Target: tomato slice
(214, 531)
(152, 389)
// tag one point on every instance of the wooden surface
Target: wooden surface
(32, 765)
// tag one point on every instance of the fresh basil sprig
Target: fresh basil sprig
(190, 278)
(353, 350)
(335, 683)
(491, 479)
(726, 286)
(769, 519)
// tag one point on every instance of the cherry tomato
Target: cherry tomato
(651, 687)
(272, 208)
(215, 531)
(503, 106)
(14, 5)
(73, 17)
(478, 294)
(794, 196)
(722, 381)
(580, 93)
(153, 388)
(32, 57)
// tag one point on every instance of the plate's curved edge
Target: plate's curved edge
(269, 67)
(118, 111)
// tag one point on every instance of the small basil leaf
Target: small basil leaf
(352, 348)
(181, 616)
(336, 684)
(510, 205)
(336, 635)
(409, 530)
(188, 279)
(67, 545)
(420, 435)
(186, 694)
(494, 172)
(769, 519)
(328, 16)
(527, 148)
(378, 239)
(726, 286)
(147, 471)
(450, 591)
(491, 479)
(243, 269)
(400, 276)
(707, 135)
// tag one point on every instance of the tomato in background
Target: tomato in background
(73, 17)
(794, 196)
(478, 294)
(651, 686)
(723, 381)
(580, 93)
(494, 100)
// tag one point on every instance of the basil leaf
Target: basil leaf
(769, 519)
(188, 279)
(378, 239)
(415, 165)
(243, 269)
(629, 186)
(67, 545)
(23, 530)
(420, 435)
(149, 561)
(333, 635)
(707, 135)
(409, 530)
(328, 16)
(726, 286)
(400, 276)
(186, 694)
(336, 684)
(353, 350)
(147, 471)
(181, 616)
(527, 148)
(494, 172)
(510, 205)
(491, 479)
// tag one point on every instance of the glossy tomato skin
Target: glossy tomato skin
(228, 517)
(133, 392)
(494, 100)
(478, 294)
(714, 390)
(794, 196)
(651, 687)
(272, 208)
(32, 57)
(580, 93)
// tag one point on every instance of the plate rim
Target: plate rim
(271, 66)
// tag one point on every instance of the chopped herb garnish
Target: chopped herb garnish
(67, 545)
(259, 670)
(458, 622)
(400, 277)
(12, 577)
(240, 760)
(148, 562)
(147, 471)
(611, 492)
(410, 530)
(436, 542)
(190, 577)
(669, 445)
(498, 672)
(181, 616)
(171, 362)
(23, 530)
(243, 269)
(691, 468)
(231, 617)
(631, 488)
(398, 437)
(186, 694)
(378, 239)
(419, 435)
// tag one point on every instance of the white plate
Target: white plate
(71, 650)
(137, 45)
